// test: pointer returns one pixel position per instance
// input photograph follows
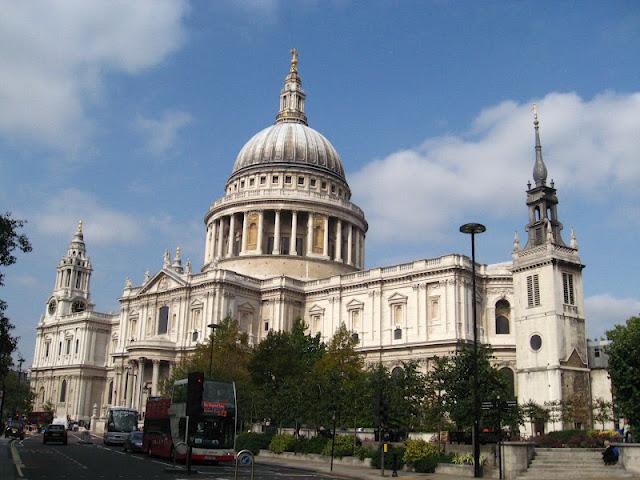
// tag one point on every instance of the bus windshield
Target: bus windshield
(212, 432)
(122, 421)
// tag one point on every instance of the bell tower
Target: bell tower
(73, 274)
(551, 347)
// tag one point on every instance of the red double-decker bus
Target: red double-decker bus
(212, 434)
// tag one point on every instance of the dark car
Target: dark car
(14, 429)
(55, 433)
(133, 442)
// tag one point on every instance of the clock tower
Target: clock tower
(551, 347)
(73, 275)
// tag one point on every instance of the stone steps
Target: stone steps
(570, 464)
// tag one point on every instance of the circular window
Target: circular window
(536, 342)
(52, 307)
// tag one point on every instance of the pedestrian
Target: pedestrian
(626, 431)
(610, 454)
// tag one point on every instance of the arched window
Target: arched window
(63, 391)
(396, 373)
(41, 395)
(507, 375)
(110, 399)
(503, 313)
(536, 212)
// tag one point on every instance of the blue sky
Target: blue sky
(129, 115)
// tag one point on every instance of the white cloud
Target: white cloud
(586, 144)
(102, 225)
(162, 133)
(54, 55)
(604, 311)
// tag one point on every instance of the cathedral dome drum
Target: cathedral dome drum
(287, 206)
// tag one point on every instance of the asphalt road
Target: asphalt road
(96, 461)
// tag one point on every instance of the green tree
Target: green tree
(535, 413)
(339, 374)
(408, 391)
(602, 411)
(19, 397)
(10, 240)
(435, 410)
(282, 372)
(624, 365)
(492, 386)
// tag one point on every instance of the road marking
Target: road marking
(162, 463)
(71, 459)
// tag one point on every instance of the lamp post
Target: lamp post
(213, 327)
(473, 229)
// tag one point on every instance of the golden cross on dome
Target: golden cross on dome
(534, 109)
(79, 227)
(294, 60)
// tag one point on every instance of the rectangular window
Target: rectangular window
(333, 188)
(287, 179)
(46, 350)
(163, 320)
(266, 326)
(533, 291)
(324, 185)
(299, 246)
(68, 347)
(242, 184)
(284, 246)
(252, 182)
(263, 180)
(77, 345)
(313, 182)
(596, 352)
(567, 287)
(300, 180)
(59, 348)
(274, 179)
(270, 242)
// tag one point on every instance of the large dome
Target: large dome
(289, 143)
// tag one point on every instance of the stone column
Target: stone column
(357, 248)
(213, 241)
(260, 231)
(338, 241)
(350, 244)
(130, 384)
(138, 400)
(220, 237)
(294, 233)
(154, 377)
(310, 234)
(245, 221)
(276, 234)
(362, 248)
(232, 234)
(325, 240)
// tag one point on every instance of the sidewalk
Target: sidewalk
(345, 471)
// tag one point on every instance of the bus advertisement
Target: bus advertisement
(212, 435)
(121, 421)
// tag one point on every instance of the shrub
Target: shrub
(253, 441)
(576, 439)
(343, 446)
(426, 464)
(282, 443)
(309, 445)
(388, 458)
(466, 459)
(417, 449)
(365, 451)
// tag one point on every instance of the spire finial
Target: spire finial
(574, 240)
(539, 168)
(292, 96)
(516, 242)
(79, 229)
(178, 254)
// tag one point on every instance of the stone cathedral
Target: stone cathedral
(285, 241)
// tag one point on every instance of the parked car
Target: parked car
(15, 429)
(55, 433)
(133, 442)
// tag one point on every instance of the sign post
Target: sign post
(244, 457)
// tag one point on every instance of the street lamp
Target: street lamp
(473, 229)
(213, 327)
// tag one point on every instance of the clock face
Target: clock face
(52, 307)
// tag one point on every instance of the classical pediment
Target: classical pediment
(316, 310)
(397, 298)
(355, 305)
(246, 307)
(162, 281)
(574, 360)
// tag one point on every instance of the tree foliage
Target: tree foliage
(624, 365)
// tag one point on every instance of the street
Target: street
(78, 460)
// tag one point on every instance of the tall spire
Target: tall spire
(539, 168)
(292, 96)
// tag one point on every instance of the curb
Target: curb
(15, 456)
(308, 468)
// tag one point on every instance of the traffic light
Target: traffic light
(381, 409)
(195, 389)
